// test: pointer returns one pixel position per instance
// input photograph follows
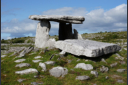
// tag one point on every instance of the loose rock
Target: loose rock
(113, 65)
(106, 77)
(84, 77)
(27, 71)
(121, 70)
(122, 62)
(84, 66)
(37, 57)
(104, 69)
(43, 66)
(36, 61)
(2, 56)
(120, 81)
(19, 60)
(20, 80)
(95, 73)
(58, 71)
(23, 65)
(50, 62)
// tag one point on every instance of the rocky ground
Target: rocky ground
(26, 65)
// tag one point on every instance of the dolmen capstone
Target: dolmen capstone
(65, 28)
(88, 48)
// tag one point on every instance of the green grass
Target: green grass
(8, 76)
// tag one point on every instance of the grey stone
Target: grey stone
(62, 52)
(121, 70)
(122, 62)
(119, 57)
(58, 18)
(20, 80)
(84, 77)
(106, 77)
(78, 59)
(34, 83)
(2, 56)
(103, 60)
(23, 65)
(43, 66)
(84, 66)
(95, 73)
(50, 43)
(36, 61)
(36, 76)
(104, 69)
(19, 60)
(27, 71)
(25, 51)
(120, 81)
(58, 71)
(42, 34)
(37, 57)
(50, 62)
(87, 48)
(113, 65)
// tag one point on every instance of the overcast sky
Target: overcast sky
(100, 15)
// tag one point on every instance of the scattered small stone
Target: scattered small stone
(84, 66)
(121, 70)
(113, 65)
(19, 60)
(84, 77)
(20, 80)
(122, 62)
(32, 53)
(86, 60)
(23, 65)
(36, 76)
(50, 62)
(95, 73)
(104, 69)
(106, 77)
(27, 71)
(43, 66)
(94, 84)
(103, 60)
(125, 48)
(34, 83)
(119, 57)
(78, 60)
(120, 81)
(37, 57)
(2, 56)
(58, 71)
(36, 61)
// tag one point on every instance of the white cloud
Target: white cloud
(114, 19)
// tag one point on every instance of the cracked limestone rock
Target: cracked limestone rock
(19, 60)
(36, 61)
(84, 77)
(23, 65)
(27, 71)
(50, 62)
(84, 66)
(95, 73)
(58, 71)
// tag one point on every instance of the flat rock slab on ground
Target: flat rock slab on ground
(58, 18)
(27, 71)
(19, 60)
(87, 48)
(37, 57)
(82, 77)
(50, 62)
(58, 71)
(3, 56)
(36, 61)
(23, 65)
(84, 66)
(43, 66)
(121, 70)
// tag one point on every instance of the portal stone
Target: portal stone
(42, 34)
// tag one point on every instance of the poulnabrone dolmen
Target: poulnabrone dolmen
(68, 41)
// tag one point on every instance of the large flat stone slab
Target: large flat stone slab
(88, 48)
(59, 18)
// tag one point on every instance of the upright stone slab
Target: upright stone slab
(42, 34)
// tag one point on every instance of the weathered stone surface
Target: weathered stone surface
(43, 66)
(37, 57)
(80, 37)
(19, 60)
(122, 62)
(59, 18)
(120, 81)
(87, 48)
(35, 83)
(50, 43)
(42, 34)
(84, 66)
(104, 69)
(58, 71)
(20, 80)
(25, 51)
(119, 57)
(121, 70)
(36, 61)
(106, 77)
(27, 71)
(84, 77)
(50, 62)
(95, 73)
(113, 65)
(2, 56)
(103, 60)
(23, 65)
